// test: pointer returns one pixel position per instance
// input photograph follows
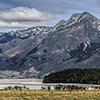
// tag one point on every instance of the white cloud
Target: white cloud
(24, 17)
(22, 24)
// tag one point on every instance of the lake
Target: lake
(33, 83)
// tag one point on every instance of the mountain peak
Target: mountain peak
(77, 17)
(86, 13)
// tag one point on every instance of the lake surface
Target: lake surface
(33, 83)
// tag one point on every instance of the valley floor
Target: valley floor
(33, 94)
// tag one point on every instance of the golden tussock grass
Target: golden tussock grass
(49, 95)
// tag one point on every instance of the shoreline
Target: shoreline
(37, 83)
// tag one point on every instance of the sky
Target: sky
(21, 14)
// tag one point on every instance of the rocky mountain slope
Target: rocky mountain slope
(38, 51)
(13, 39)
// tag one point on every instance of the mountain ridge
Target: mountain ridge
(74, 43)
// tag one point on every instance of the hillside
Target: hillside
(84, 76)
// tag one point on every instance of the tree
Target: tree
(43, 88)
(48, 88)
(24, 87)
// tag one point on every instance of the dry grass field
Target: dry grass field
(49, 95)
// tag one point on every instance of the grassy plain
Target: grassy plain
(49, 95)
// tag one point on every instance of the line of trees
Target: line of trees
(70, 87)
(16, 88)
(85, 76)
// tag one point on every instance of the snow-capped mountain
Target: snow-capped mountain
(38, 51)
(13, 39)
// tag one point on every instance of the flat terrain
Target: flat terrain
(49, 95)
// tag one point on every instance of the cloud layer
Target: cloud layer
(24, 17)
(22, 13)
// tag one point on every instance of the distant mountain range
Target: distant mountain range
(41, 50)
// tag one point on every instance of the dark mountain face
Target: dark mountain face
(42, 50)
